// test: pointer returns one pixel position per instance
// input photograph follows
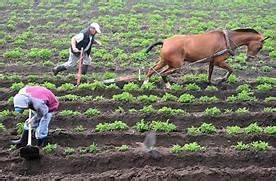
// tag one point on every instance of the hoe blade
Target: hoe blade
(30, 152)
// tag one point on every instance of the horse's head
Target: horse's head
(254, 41)
(254, 46)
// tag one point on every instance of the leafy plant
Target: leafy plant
(69, 113)
(266, 80)
(50, 148)
(212, 111)
(92, 86)
(253, 128)
(2, 127)
(130, 87)
(232, 130)
(147, 99)
(211, 88)
(270, 99)
(242, 110)
(207, 99)
(5, 114)
(92, 148)
(192, 147)
(40, 53)
(20, 128)
(195, 78)
(49, 85)
(160, 126)
(193, 87)
(142, 126)
(244, 87)
(170, 111)
(176, 87)
(232, 79)
(176, 149)
(122, 148)
(147, 110)
(102, 127)
(259, 146)
(168, 97)
(207, 128)
(17, 86)
(241, 97)
(186, 98)
(193, 130)
(264, 87)
(15, 53)
(148, 86)
(269, 109)
(69, 97)
(79, 129)
(112, 87)
(240, 146)
(12, 147)
(66, 87)
(270, 130)
(125, 96)
(117, 125)
(92, 112)
(69, 151)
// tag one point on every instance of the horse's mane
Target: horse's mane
(246, 30)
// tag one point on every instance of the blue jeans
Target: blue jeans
(41, 126)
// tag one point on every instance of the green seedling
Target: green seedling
(50, 148)
(142, 126)
(122, 148)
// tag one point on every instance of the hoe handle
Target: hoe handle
(80, 68)
(30, 128)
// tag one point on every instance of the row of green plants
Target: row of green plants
(167, 111)
(166, 126)
(253, 128)
(192, 81)
(93, 149)
(240, 146)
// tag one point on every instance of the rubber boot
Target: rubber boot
(84, 69)
(58, 69)
(41, 142)
(23, 141)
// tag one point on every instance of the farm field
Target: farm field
(204, 132)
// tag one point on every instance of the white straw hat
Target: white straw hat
(96, 26)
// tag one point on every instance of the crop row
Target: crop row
(188, 78)
(175, 149)
(166, 126)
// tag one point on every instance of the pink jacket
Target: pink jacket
(45, 95)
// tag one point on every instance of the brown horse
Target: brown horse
(213, 47)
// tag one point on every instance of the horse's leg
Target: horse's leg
(224, 65)
(165, 74)
(211, 68)
(154, 69)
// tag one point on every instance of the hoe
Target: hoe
(30, 152)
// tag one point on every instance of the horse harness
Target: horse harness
(228, 49)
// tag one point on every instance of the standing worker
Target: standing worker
(43, 103)
(84, 40)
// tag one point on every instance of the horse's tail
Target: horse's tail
(153, 45)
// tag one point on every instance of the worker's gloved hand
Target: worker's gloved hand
(76, 50)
